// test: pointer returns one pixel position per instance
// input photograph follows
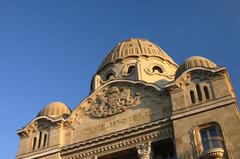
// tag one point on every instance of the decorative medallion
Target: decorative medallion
(112, 101)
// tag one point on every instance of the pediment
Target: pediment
(118, 105)
(113, 98)
(193, 73)
(34, 125)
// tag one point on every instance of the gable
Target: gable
(116, 106)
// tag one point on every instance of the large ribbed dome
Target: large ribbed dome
(195, 61)
(138, 60)
(55, 109)
(135, 47)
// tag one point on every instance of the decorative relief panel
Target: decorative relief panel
(111, 101)
(144, 151)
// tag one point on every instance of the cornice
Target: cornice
(203, 107)
(182, 76)
(40, 152)
(25, 131)
(118, 139)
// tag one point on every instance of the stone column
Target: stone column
(144, 151)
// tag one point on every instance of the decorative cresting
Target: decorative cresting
(112, 101)
(135, 47)
(144, 151)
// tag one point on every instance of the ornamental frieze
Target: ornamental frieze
(112, 101)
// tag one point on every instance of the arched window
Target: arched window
(45, 140)
(130, 69)
(209, 137)
(109, 75)
(192, 97)
(34, 143)
(206, 92)
(40, 139)
(199, 93)
(158, 69)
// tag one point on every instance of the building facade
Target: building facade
(142, 105)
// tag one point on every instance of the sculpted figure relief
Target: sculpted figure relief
(112, 101)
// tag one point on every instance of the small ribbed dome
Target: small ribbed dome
(55, 109)
(195, 61)
(135, 47)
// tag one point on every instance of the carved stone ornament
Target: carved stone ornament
(144, 151)
(112, 101)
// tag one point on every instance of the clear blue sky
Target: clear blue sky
(49, 49)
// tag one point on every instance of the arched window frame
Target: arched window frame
(206, 140)
(40, 139)
(34, 143)
(40, 134)
(45, 140)
(199, 93)
(131, 69)
(206, 92)
(109, 75)
(157, 69)
(192, 96)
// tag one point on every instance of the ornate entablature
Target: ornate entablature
(134, 137)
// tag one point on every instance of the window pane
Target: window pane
(40, 139)
(206, 92)
(204, 135)
(217, 143)
(130, 69)
(213, 132)
(34, 143)
(206, 145)
(45, 140)
(158, 69)
(192, 97)
(210, 138)
(199, 92)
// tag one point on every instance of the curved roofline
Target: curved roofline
(52, 104)
(39, 118)
(195, 61)
(213, 70)
(143, 49)
(109, 83)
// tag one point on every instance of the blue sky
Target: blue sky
(50, 49)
